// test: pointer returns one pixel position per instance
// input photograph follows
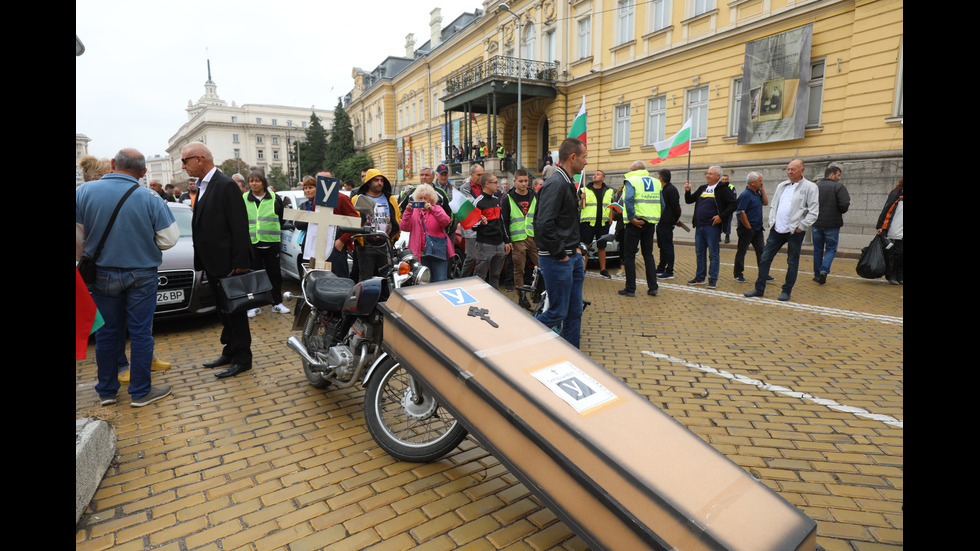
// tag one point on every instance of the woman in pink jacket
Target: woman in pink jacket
(427, 222)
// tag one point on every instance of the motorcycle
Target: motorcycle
(341, 346)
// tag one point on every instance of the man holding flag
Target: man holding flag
(556, 234)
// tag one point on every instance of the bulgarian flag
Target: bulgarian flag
(87, 317)
(578, 125)
(465, 211)
(678, 144)
(578, 130)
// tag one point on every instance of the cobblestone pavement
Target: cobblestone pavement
(806, 395)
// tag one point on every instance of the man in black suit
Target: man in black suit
(221, 247)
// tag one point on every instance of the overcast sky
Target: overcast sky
(144, 60)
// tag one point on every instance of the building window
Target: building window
(899, 109)
(289, 123)
(234, 120)
(275, 122)
(656, 122)
(238, 153)
(701, 6)
(621, 126)
(530, 36)
(275, 154)
(736, 107)
(584, 37)
(258, 120)
(659, 15)
(234, 138)
(261, 155)
(626, 10)
(816, 93)
(258, 139)
(275, 140)
(697, 111)
(549, 46)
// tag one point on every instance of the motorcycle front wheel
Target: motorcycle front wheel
(409, 426)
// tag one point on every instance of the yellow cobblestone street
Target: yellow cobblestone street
(805, 395)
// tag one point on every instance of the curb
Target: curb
(95, 447)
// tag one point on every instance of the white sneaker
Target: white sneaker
(280, 308)
(254, 312)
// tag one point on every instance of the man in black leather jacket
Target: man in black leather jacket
(556, 233)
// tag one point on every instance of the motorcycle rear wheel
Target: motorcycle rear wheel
(409, 429)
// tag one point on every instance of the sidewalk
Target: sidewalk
(806, 395)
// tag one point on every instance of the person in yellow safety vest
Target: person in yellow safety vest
(264, 209)
(517, 210)
(643, 205)
(484, 150)
(501, 152)
(595, 215)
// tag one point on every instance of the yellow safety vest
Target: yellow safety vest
(263, 222)
(521, 227)
(646, 195)
(591, 206)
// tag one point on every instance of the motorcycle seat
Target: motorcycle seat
(330, 293)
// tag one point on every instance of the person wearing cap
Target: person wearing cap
(372, 254)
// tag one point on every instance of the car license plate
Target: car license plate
(170, 297)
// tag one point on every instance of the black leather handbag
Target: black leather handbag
(241, 292)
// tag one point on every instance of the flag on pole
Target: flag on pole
(578, 125)
(465, 211)
(578, 130)
(678, 144)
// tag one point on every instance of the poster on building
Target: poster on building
(775, 87)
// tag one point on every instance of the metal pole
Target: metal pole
(520, 63)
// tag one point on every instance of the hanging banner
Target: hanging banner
(775, 87)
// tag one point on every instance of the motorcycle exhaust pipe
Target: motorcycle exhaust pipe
(298, 347)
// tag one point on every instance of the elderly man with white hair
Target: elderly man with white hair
(713, 203)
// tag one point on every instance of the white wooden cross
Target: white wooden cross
(327, 190)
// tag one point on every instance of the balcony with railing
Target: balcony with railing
(502, 67)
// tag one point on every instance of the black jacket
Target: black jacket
(556, 217)
(725, 200)
(220, 228)
(834, 202)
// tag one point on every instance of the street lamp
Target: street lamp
(520, 38)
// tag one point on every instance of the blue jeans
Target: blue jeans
(773, 244)
(563, 281)
(438, 268)
(824, 248)
(126, 299)
(706, 240)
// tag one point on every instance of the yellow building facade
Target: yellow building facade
(643, 68)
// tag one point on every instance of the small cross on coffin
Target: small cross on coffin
(327, 190)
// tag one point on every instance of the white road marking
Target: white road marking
(782, 390)
(837, 312)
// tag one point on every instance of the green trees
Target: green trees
(313, 151)
(337, 153)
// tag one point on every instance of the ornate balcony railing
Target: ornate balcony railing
(501, 66)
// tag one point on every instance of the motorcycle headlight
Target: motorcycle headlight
(423, 275)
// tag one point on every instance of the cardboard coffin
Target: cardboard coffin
(616, 469)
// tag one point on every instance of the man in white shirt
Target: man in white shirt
(794, 208)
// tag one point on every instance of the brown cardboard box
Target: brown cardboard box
(620, 472)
